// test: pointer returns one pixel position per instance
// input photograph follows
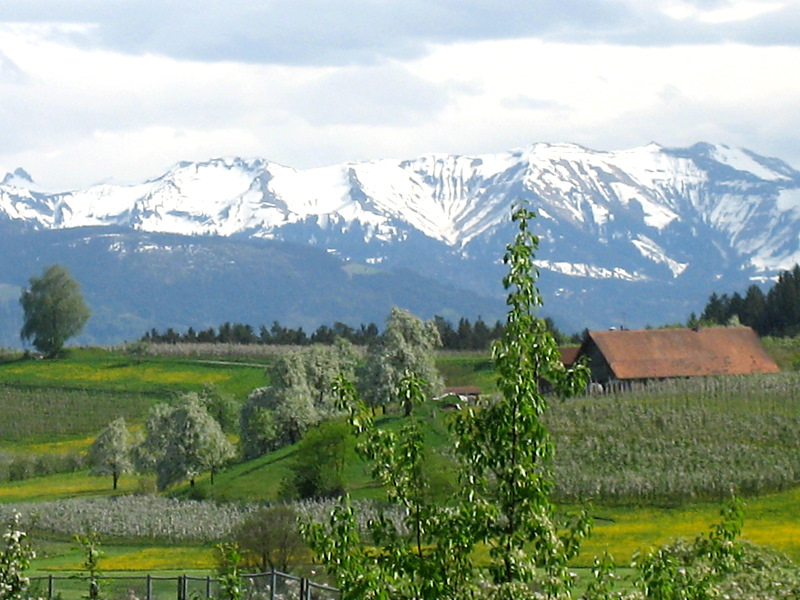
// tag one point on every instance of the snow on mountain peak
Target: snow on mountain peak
(745, 161)
(635, 200)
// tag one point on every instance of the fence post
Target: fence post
(50, 586)
(149, 590)
(208, 586)
(273, 583)
(181, 587)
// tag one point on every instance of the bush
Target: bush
(318, 468)
(270, 539)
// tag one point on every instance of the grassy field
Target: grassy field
(115, 371)
(467, 368)
(51, 407)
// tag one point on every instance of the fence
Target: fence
(256, 586)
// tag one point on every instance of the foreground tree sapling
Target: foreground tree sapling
(503, 500)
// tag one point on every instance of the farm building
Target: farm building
(465, 393)
(627, 355)
(569, 354)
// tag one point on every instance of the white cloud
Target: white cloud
(79, 107)
(721, 12)
(384, 95)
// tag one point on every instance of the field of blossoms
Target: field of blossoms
(679, 441)
(148, 518)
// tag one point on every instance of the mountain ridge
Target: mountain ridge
(676, 222)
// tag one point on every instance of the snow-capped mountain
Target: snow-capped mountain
(672, 222)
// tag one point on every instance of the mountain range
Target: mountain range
(627, 238)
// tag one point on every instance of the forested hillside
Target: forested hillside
(774, 313)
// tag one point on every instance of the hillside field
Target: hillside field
(650, 466)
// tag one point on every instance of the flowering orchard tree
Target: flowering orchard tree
(183, 441)
(14, 561)
(110, 453)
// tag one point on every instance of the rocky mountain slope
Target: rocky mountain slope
(627, 238)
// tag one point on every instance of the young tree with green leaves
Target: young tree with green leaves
(54, 310)
(503, 451)
(426, 554)
(229, 561)
(110, 453)
(89, 543)
(505, 448)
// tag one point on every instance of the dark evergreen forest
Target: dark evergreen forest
(775, 312)
(465, 335)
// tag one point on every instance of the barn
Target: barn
(637, 355)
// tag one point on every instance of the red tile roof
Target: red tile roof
(569, 354)
(657, 353)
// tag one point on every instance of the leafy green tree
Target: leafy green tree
(89, 544)
(318, 465)
(110, 453)
(406, 347)
(229, 561)
(182, 442)
(54, 310)
(270, 538)
(424, 556)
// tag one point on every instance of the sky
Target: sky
(95, 91)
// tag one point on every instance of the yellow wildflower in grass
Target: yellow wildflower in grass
(67, 485)
(161, 559)
(622, 532)
(62, 447)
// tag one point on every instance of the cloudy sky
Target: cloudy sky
(119, 90)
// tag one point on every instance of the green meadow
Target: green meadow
(50, 408)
